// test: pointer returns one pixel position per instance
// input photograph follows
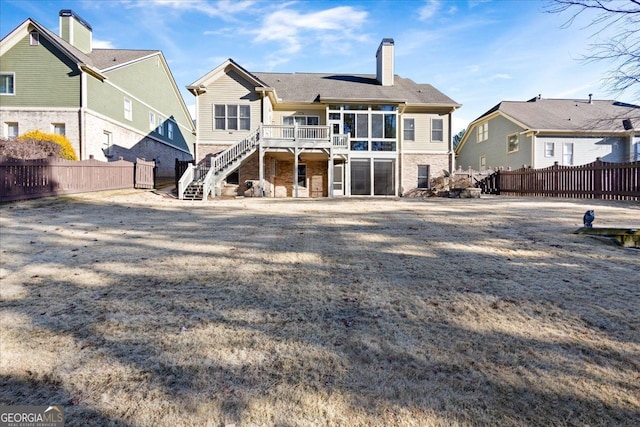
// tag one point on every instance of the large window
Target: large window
(7, 84)
(423, 176)
(409, 130)
(437, 130)
(483, 132)
(371, 127)
(170, 130)
(232, 117)
(152, 120)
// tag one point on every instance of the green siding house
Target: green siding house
(541, 132)
(110, 103)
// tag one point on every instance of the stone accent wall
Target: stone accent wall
(409, 180)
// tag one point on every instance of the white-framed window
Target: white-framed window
(11, 130)
(58, 128)
(128, 109)
(513, 143)
(160, 127)
(107, 143)
(302, 175)
(170, 130)
(482, 163)
(549, 149)
(301, 120)
(34, 38)
(152, 120)
(437, 130)
(409, 130)
(567, 154)
(232, 117)
(482, 132)
(423, 176)
(7, 84)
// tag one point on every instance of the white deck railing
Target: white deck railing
(185, 180)
(295, 132)
(341, 141)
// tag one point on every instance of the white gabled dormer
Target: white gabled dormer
(75, 30)
(384, 61)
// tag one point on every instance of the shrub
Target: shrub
(67, 151)
(29, 149)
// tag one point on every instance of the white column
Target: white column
(261, 167)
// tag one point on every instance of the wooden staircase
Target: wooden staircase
(196, 185)
(194, 191)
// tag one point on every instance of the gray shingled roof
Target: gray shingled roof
(314, 87)
(568, 114)
(98, 58)
(107, 58)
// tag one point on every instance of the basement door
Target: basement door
(338, 179)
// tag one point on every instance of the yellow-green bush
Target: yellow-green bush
(35, 135)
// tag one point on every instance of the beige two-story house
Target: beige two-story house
(320, 134)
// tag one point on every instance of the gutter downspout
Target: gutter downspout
(82, 116)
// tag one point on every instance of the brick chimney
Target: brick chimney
(75, 30)
(384, 61)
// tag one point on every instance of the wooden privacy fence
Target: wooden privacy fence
(30, 179)
(597, 180)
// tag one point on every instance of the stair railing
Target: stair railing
(185, 180)
(233, 153)
(207, 185)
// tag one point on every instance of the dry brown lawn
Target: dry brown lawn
(137, 309)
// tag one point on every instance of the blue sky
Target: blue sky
(478, 52)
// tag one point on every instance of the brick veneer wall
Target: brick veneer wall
(437, 163)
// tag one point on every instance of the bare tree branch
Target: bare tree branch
(615, 26)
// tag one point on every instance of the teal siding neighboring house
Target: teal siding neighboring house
(540, 132)
(110, 103)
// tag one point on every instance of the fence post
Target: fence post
(597, 178)
(556, 179)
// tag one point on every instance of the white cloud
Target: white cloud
(501, 77)
(428, 10)
(102, 44)
(293, 29)
(225, 9)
